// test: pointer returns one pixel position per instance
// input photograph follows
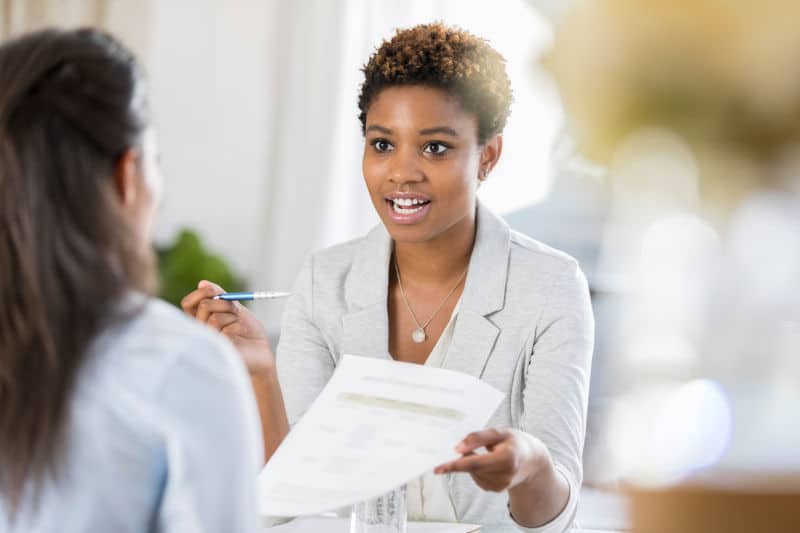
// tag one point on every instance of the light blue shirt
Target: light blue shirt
(163, 436)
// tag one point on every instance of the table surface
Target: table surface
(342, 525)
(599, 511)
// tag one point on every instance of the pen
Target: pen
(262, 295)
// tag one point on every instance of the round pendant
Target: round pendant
(418, 335)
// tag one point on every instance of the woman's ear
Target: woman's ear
(126, 177)
(490, 155)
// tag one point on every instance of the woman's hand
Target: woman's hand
(234, 321)
(519, 463)
(513, 458)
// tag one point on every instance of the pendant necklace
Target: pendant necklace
(418, 335)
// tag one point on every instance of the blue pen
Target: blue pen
(262, 295)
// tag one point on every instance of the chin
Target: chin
(409, 234)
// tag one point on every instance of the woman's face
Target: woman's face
(422, 162)
(143, 187)
(151, 183)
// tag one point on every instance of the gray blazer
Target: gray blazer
(524, 326)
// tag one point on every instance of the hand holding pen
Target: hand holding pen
(211, 305)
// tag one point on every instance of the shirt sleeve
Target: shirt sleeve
(556, 389)
(303, 358)
(212, 447)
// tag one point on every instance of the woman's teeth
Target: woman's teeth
(407, 206)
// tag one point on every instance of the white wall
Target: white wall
(209, 65)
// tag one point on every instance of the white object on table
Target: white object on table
(316, 524)
(376, 424)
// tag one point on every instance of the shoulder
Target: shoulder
(161, 372)
(341, 256)
(164, 393)
(540, 275)
(159, 341)
(549, 281)
(136, 367)
(161, 324)
(358, 260)
(532, 256)
(529, 260)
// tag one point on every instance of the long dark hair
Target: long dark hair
(71, 104)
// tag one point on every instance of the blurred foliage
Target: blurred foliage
(183, 264)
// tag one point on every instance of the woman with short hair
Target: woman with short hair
(441, 282)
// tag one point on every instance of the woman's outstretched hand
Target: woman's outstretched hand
(512, 457)
(516, 462)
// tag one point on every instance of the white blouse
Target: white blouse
(427, 497)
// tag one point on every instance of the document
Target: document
(376, 425)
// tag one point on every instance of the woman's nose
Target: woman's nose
(404, 168)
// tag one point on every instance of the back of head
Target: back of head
(71, 104)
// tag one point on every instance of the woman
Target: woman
(443, 282)
(117, 412)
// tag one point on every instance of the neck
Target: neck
(438, 260)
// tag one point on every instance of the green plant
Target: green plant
(185, 262)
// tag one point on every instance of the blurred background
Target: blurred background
(686, 221)
(255, 103)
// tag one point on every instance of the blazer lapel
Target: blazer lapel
(366, 326)
(473, 342)
(484, 293)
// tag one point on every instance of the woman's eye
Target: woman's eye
(435, 148)
(382, 145)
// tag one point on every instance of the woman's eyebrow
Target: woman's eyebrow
(445, 130)
(379, 129)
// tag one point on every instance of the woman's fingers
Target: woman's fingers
(208, 307)
(474, 463)
(513, 456)
(234, 321)
(478, 439)
(488, 438)
(220, 321)
(234, 329)
(205, 290)
(493, 471)
(203, 283)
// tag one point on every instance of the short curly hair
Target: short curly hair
(443, 57)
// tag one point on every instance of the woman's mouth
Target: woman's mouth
(408, 206)
(407, 209)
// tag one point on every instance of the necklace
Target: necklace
(419, 335)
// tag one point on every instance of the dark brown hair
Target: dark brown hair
(71, 104)
(442, 57)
